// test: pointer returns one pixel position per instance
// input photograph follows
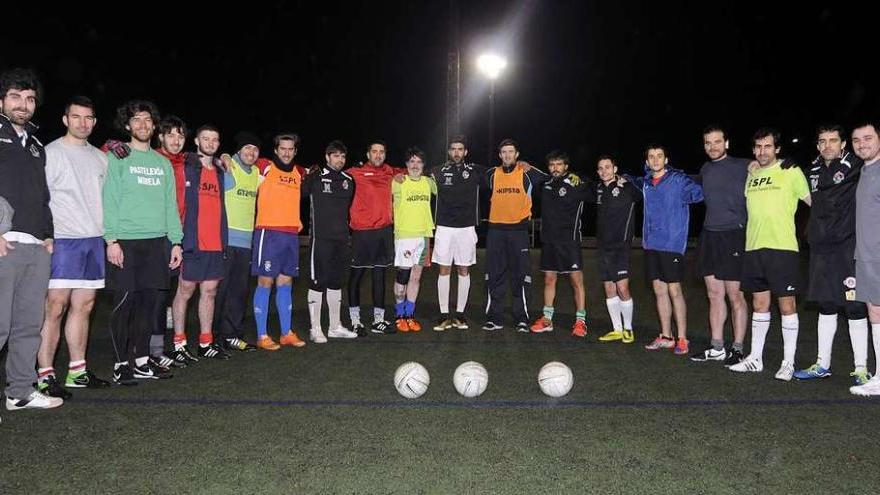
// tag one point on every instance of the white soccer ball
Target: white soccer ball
(555, 379)
(470, 379)
(411, 380)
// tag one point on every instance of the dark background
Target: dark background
(583, 77)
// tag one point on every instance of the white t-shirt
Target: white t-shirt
(75, 175)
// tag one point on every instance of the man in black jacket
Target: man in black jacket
(25, 251)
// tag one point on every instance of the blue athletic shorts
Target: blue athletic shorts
(274, 253)
(78, 264)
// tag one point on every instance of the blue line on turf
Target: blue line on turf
(499, 404)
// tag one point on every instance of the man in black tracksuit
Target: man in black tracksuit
(330, 192)
(615, 227)
(831, 232)
(562, 204)
(507, 242)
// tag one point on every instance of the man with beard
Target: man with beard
(140, 217)
(455, 240)
(275, 255)
(75, 172)
(26, 248)
(204, 239)
(330, 191)
(562, 203)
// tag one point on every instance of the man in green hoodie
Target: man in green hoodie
(140, 217)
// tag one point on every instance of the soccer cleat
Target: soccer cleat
(123, 375)
(522, 327)
(341, 333)
(869, 389)
(50, 386)
(541, 325)
(628, 336)
(162, 361)
(710, 354)
(491, 326)
(813, 372)
(150, 371)
(237, 344)
(579, 329)
(444, 323)
(383, 326)
(84, 379)
(460, 322)
(360, 330)
(35, 400)
(292, 339)
(401, 324)
(212, 351)
(748, 365)
(681, 347)
(860, 376)
(413, 324)
(612, 336)
(317, 336)
(267, 344)
(786, 371)
(734, 356)
(183, 355)
(661, 342)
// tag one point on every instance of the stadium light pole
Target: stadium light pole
(491, 65)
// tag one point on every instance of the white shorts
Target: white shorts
(455, 246)
(410, 252)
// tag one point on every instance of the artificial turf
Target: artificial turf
(326, 418)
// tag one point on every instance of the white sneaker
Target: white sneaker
(169, 319)
(871, 388)
(317, 336)
(748, 365)
(786, 371)
(341, 333)
(34, 401)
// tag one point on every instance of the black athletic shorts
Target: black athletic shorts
(613, 263)
(833, 276)
(721, 254)
(327, 260)
(372, 248)
(664, 266)
(561, 257)
(202, 266)
(771, 269)
(144, 265)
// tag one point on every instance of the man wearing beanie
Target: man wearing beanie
(240, 190)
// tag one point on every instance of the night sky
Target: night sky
(583, 77)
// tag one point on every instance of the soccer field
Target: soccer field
(327, 419)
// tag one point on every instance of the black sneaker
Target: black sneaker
(709, 354)
(123, 375)
(212, 351)
(161, 362)
(158, 372)
(50, 386)
(460, 322)
(522, 327)
(360, 330)
(444, 323)
(237, 344)
(733, 357)
(491, 326)
(383, 326)
(86, 379)
(183, 356)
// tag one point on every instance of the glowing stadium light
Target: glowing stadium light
(795, 141)
(491, 65)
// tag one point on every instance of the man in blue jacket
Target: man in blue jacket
(667, 193)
